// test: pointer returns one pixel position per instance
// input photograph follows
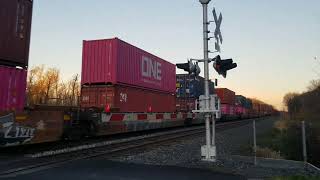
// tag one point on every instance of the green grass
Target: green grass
(296, 178)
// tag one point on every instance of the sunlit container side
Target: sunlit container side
(12, 89)
(113, 61)
(127, 99)
(226, 96)
(15, 30)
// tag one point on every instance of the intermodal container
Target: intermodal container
(240, 100)
(113, 61)
(249, 103)
(12, 88)
(240, 109)
(15, 30)
(226, 96)
(127, 98)
(227, 109)
(257, 106)
(243, 101)
(185, 104)
(190, 86)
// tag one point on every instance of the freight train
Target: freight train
(123, 89)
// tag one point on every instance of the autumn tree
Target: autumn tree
(293, 103)
(45, 86)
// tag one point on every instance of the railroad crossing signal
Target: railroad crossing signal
(218, 21)
(217, 46)
(223, 65)
(191, 68)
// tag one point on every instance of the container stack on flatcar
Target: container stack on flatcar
(126, 78)
(243, 106)
(15, 22)
(128, 88)
(188, 89)
(227, 99)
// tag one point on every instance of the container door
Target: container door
(102, 97)
(110, 96)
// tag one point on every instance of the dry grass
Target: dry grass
(268, 153)
(281, 125)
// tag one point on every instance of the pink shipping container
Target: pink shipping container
(239, 109)
(127, 99)
(15, 31)
(185, 104)
(226, 95)
(227, 109)
(113, 61)
(12, 89)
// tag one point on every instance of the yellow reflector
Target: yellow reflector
(21, 117)
(66, 118)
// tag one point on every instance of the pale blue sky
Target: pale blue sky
(272, 41)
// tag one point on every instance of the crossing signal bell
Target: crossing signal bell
(191, 68)
(223, 65)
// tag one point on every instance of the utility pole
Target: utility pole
(209, 149)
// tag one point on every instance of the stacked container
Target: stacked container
(15, 23)
(188, 89)
(189, 86)
(12, 89)
(227, 99)
(242, 105)
(126, 78)
(185, 104)
(127, 98)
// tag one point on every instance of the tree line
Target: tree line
(46, 86)
(303, 106)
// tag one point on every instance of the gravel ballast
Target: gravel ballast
(186, 153)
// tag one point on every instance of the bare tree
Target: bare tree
(46, 84)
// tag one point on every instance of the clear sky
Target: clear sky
(274, 42)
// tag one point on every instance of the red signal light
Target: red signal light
(107, 108)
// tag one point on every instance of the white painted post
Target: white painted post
(304, 142)
(254, 142)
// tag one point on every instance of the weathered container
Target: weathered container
(190, 86)
(240, 100)
(127, 99)
(227, 110)
(249, 103)
(226, 96)
(12, 88)
(36, 126)
(243, 101)
(185, 104)
(240, 109)
(15, 30)
(113, 61)
(257, 106)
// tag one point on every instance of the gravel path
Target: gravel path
(186, 153)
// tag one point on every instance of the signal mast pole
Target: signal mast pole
(210, 148)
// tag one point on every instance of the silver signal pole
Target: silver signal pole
(209, 149)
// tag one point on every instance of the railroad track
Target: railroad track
(51, 159)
